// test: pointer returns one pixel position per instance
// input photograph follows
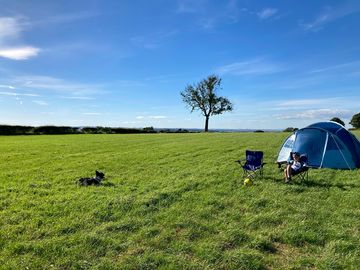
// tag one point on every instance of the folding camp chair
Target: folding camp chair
(303, 172)
(253, 164)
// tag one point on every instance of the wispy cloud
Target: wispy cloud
(318, 114)
(128, 83)
(157, 117)
(91, 113)
(266, 13)
(301, 104)
(7, 86)
(48, 83)
(130, 122)
(18, 94)
(190, 6)
(78, 97)
(151, 117)
(40, 102)
(349, 65)
(68, 17)
(321, 109)
(153, 40)
(355, 74)
(207, 15)
(11, 29)
(65, 48)
(330, 14)
(8, 29)
(252, 67)
(10, 32)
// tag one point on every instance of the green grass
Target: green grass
(170, 201)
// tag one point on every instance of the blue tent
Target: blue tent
(327, 144)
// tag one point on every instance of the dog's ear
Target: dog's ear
(100, 174)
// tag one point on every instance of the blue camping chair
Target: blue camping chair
(303, 172)
(253, 164)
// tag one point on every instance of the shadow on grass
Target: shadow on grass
(310, 183)
(108, 184)
(317, 184)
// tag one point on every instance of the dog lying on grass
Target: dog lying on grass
(92, 181)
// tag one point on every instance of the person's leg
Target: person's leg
(287, 172)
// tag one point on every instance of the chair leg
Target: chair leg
(249, 174)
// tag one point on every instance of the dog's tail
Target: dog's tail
(80, 181)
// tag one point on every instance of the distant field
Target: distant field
(170, 201)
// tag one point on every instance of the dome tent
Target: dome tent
(327, 144)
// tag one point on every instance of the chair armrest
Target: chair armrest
(280, 163)
(240, 161)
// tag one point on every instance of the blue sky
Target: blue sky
(124, 63)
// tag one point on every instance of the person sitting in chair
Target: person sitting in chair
(293, 167)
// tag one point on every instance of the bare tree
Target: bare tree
(203, 97)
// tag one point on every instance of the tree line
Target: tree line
(52, 130)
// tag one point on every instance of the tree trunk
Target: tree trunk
(206, 123)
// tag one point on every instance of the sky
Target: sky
(124, 63)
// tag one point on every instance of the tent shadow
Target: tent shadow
(316, 184)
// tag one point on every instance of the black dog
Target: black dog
(92, 181)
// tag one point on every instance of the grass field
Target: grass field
(170, 201)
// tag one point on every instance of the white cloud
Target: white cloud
(19, 53)
(266, 13)
(251, 67)
(10, 32)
